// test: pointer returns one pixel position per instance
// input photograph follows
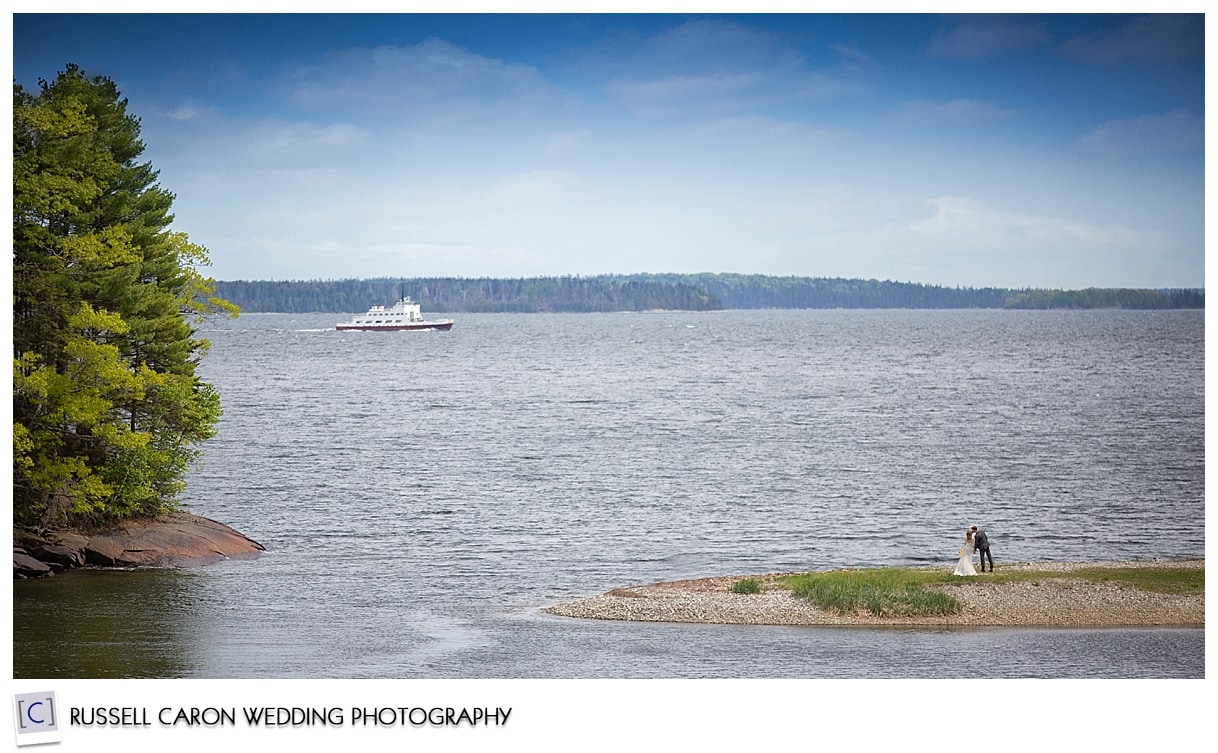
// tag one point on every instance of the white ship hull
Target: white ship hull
(403, 316)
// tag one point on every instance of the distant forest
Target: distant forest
(680, 292)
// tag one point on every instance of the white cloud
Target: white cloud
(430, 160)
(722, 139)
(189, 110)
(985, 37)
(566, 143)
(856, 59)
(724, 92)
(973, 224)
(702, 45)
(1159, 37)
(713, 68)
(955, 112)
(439, 260)
(430, 81)
(308, 135)
(1175, 131)
(531, 187)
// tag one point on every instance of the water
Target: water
(424, 495)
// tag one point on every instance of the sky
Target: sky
(1051, 151)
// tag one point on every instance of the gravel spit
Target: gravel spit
(1051, 602)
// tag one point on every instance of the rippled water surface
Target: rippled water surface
(424, 495)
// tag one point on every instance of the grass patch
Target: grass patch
(902, 591)
(1166, 580)
(746, 586)
(884, 592)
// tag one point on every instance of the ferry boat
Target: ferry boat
(403, 315)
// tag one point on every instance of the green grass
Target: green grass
(1167, 580)
(746, 586)
(903, 592)
(887, 591)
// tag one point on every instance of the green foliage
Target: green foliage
(739, 291)
(746, 586)
(107, 409)
(895, 592)
(1107, 298)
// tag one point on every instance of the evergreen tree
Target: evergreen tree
(107, 409)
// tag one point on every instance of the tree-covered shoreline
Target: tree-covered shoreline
(107, 410)
(470, 295)
(684, 292)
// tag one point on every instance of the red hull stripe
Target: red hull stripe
(445, 326)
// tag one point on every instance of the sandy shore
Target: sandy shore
(1050, 602)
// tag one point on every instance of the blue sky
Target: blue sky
(1046, 151)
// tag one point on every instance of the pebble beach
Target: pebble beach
(1049, 602)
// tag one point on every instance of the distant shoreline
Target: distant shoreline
(1049, 602)
(675, 292)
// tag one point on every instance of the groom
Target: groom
(982, 543)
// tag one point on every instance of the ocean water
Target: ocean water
(423, 496)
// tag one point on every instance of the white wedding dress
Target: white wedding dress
(965, 565)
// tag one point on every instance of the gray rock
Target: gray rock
(25, 566)
(55, 554)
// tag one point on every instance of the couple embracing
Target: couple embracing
(974, 540)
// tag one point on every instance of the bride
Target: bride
(965, 565)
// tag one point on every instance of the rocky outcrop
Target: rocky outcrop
(177, 539)
(25, 566)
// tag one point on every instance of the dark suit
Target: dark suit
(983, 550)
